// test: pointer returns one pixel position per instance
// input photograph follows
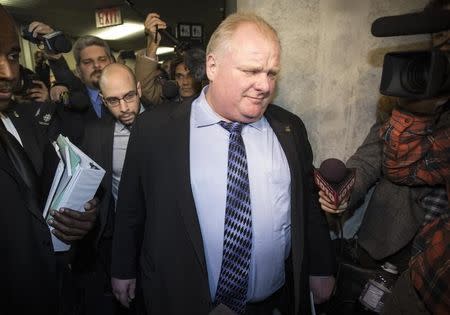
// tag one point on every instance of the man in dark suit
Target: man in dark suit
(106, 142)
(30, 270)
(216, 203)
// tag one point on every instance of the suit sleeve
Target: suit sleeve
(320, 252)
(367, 162)
(130, 212)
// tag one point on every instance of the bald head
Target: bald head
(9, 57)
(116, 70)
(120, 92)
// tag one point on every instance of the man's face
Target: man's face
(39, 57)
(184, 80)
(243, 76)
(9, 59)
(120, 86)
(93, 60)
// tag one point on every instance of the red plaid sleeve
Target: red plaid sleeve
(414, 153)
(430, 268)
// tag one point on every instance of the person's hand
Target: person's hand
(328, 206)
(70, 225)
(56, 91)
(124, 290)
(39, 92)
(321, 287)
(39, 28)
(151, 22)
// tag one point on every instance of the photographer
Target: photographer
(147, 69)
(91, 54)
(406, 160)
(155, 85)
(41, 67)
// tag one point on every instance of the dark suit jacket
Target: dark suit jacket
(22, 117)
(98, 144)
(27, 266)
(156, 205)
(394, 213)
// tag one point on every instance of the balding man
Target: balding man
(106, 142)
(32, 279)
(216, 204)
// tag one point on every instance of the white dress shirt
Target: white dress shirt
(270, 184)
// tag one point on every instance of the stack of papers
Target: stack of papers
(76, 181)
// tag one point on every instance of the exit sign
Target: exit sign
(108, 17)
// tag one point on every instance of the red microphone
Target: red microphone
(335, 180)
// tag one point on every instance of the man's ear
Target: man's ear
(211, 66)
(138, 88)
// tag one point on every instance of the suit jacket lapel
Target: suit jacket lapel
(106, 137)
(186, 204)
(29, 139)
(33, 207)
(287, 138)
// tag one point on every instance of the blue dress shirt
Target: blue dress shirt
(270, 196)
(96, 100)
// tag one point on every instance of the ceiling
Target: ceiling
(77, 17)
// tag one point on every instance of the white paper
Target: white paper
(75, 182)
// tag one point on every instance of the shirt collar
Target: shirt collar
(93, 93)
(204, 115)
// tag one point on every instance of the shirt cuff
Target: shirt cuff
(150, 58)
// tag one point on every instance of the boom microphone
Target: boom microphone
(425, 22)
(335, 180)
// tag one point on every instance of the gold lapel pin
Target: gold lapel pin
(287, 129)
(15, 114)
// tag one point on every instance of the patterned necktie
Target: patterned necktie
(237, 242)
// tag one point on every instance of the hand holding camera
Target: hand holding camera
(38, 92)
(53, 42)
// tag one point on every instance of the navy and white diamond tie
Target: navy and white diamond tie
(237, 241)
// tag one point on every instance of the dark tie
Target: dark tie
(237, 241)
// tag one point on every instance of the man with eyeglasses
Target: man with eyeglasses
(106, 142)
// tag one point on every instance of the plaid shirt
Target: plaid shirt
(414, 153)
(430, 266)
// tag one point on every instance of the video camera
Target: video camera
(54, 42)
(415, 74)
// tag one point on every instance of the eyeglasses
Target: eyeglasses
(115, 101)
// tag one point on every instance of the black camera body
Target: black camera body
(54, 42)
(415, 74)
(26, 78)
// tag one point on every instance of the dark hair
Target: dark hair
(87, 41)
(174, 64)
(437, 4)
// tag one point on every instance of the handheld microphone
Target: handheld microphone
(425, 22)
(169, 90)
(335, 180)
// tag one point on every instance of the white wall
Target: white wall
(331, 64)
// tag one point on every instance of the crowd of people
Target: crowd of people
(208, 204)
